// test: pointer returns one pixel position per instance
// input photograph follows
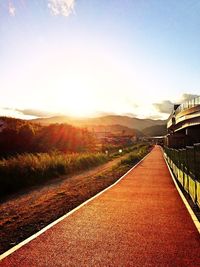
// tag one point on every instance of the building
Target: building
(183, 125)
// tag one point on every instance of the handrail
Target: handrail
(185, 163)
(184, 106)
(188, 104)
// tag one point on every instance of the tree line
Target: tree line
(25, 137)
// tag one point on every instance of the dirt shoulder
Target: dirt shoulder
(26, 213)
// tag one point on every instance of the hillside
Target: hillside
(156, 130)
(13, 123)
(53, 120)
(115, 129)
(133, 123)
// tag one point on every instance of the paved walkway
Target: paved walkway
(141, 221)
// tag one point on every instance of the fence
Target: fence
(185, 164)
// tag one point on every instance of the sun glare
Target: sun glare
(76, 101)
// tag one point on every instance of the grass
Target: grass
(135, 156)
(31, 169)
(127, 150)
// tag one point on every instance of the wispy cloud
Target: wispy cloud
(29, 112)
(11, 9)
(34, 112)
(57, 7)
(61, 7)
(164, 106)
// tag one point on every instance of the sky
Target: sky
(90, 57)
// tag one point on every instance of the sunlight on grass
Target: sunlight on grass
(29, 169)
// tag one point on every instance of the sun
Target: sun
(77, 101)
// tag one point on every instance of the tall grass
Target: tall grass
(30, 169)
(136, 155)
(129, 149)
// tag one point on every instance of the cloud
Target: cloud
(27, 113)
(11, 9)
(34, 112)
(130, 102)
(6, 108)
(57, 7)
(61, 7)
(186, 97)
(165, 106)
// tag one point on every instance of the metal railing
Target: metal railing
(185, 164)
(188, 104)
(184, 106)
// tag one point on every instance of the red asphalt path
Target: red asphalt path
(141, 221)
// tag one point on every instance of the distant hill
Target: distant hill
(115, 129)
(52, 120)
(133, 123)
(156, 130)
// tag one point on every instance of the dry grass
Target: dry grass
(30, 169)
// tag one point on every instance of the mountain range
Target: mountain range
(115, 124)
(118, 123)
(135, 123)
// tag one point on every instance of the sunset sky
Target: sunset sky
(91, 57)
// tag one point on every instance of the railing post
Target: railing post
(195, 173)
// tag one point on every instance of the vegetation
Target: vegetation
(30, 169)
(21, 136)
(135, 156)
(119, 150)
